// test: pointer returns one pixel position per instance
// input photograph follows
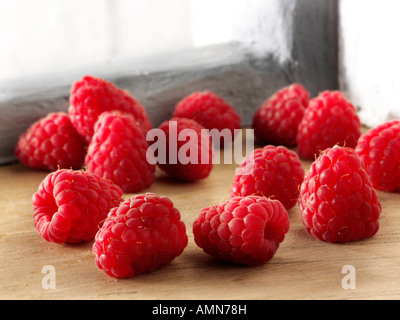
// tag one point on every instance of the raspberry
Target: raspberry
(143, 234)
(118, 152)
(273, 172)
(211, 111)
(69, 206)
(189, 150)
(379, 151)
(277, 120)
(51, 143)
(91, 96)
(337, 200)
(329, 120)
(243, 230)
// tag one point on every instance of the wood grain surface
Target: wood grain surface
(303, 268)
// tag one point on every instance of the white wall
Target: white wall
(56, 35)
(31, 40)
(370, 57)
(41, 36)
(263, 25)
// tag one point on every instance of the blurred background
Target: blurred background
(44, 36)
(162, 50)
(369, 57)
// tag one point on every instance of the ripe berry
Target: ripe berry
(144, 233)
(187, 151)
(211, 111)
(51, 143)
(329, 120)
(379, 151)
(91, 96)
(277, 120)
(243, 230)
(118, 152)
(337, 200)
(273, 172)
(70, 206)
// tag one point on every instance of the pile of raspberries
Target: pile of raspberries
(98, 151)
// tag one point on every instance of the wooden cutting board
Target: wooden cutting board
(303, 268)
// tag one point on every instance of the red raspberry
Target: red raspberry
(337, 200)
(188, 150)
(379, 151)
(277, 120)
(118, 152)
(144, 233)
(243, 230)
(273, 172)
(211, 111)
(51, 143)
(91, 96)
(329, 120)
(70, 206)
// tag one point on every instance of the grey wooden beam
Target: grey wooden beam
(316, 44)
(231, 70)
